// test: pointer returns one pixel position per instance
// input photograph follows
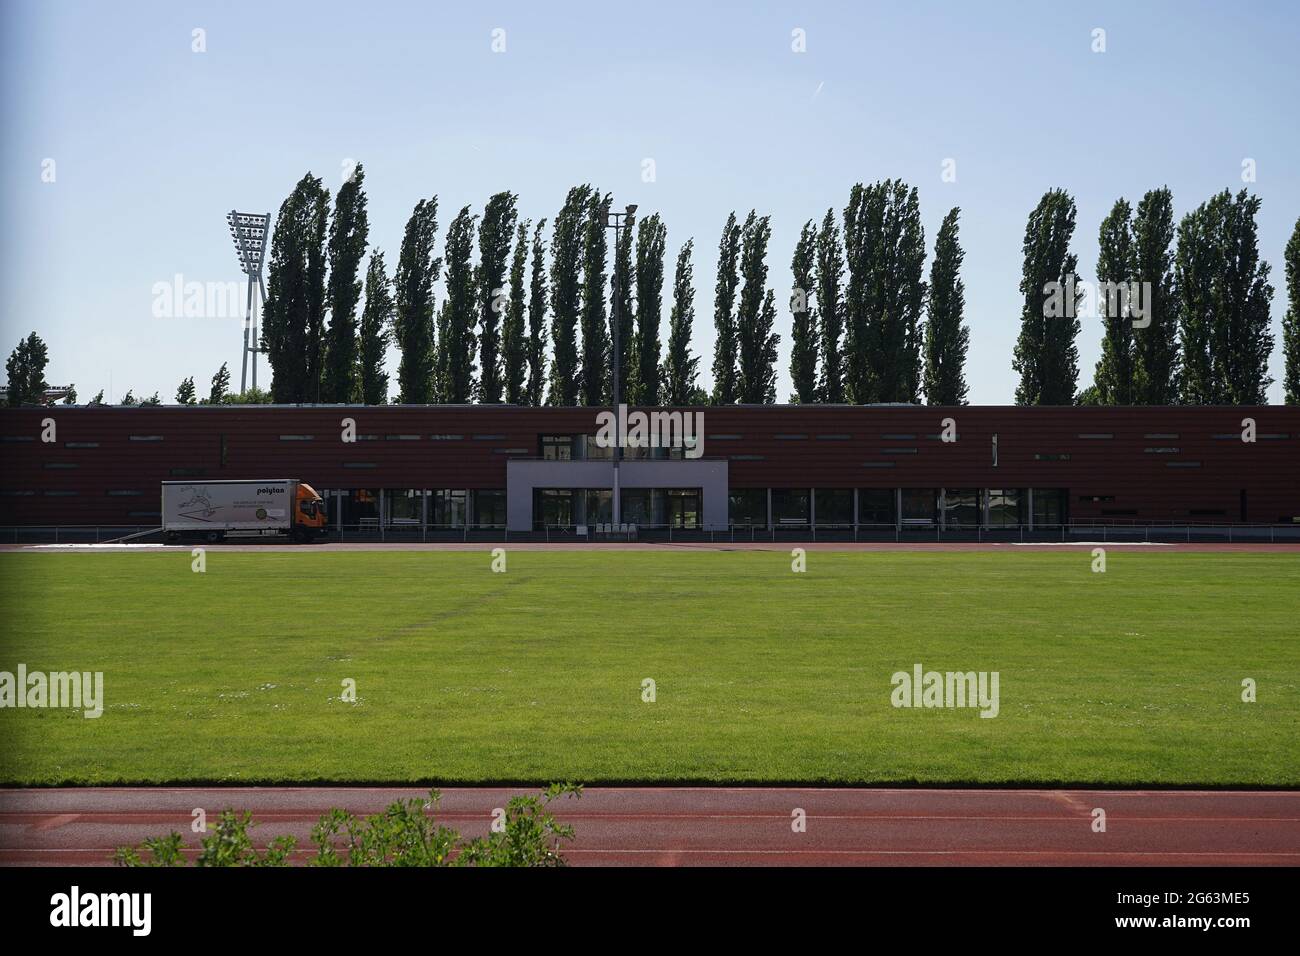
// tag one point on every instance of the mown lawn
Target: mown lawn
(762, 675)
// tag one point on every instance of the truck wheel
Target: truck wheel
(213, 537)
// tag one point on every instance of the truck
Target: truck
(214, 510)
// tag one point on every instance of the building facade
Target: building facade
(401, 468)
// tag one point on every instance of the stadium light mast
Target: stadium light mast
(249, 231)
(612, 221)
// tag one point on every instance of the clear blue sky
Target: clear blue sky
(153, 143)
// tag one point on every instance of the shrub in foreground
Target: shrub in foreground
(404, 834)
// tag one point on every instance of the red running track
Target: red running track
(672, 826)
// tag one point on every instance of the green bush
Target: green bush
(404, 834)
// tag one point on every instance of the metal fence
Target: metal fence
(370, 532)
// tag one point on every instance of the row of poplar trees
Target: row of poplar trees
(1204, 336)
(866, 325)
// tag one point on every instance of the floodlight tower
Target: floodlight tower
(617, 221)
(249, 231)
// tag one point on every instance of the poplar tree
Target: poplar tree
(514, 346)
(1156, 365)
(863, 227)
(375, 333)
(1198, 264)
(1116, 266)
(755, 317)
(348, 234)
(803, 329)
(830, 310)
(456, 343)
(946, 338)
(652, 238)
(294, 310)
(220, 386)
(494, 233)
(680, 366)
(894, 315)
(537, 320)
(594, 376)
(1224, 296)
(1242, 340)
(26, 371)
(566, 295)
(725, 344)
(1291, 323)
(1046, 353)
(413, 324)
(185, 394)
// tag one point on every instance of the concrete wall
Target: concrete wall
(523, 475)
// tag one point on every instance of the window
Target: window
(489, 437)
(447, 507)
(401, 438)
(1182, 464)
(747, 507)
(790, 437)
(58, 465)
(81, 444)
(877, 464)
(684, 507)
(1095, 498)
(1166, 450)
(186, 472)
(1006, 507)
(1050, 506)
(123, 494)
(920, 506)
(358, 464)
(360, 506)
(961, 507)
(1099, 435)
(838, 437)
(790, 506)
(876, 506)
(297, 438)
(146, 438)
(899, 437)
(834, 507)
(552, 507)
(490, 508)
(446, 437)
(405, 506)
(898, 451)
(1052, 456)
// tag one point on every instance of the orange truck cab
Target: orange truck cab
(310, 515)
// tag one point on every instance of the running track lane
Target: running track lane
(671, 826)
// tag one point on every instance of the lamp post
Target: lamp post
(617, 221)
(249, 232)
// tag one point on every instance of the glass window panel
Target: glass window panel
(834, 506)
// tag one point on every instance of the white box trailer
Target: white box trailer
(213, 509)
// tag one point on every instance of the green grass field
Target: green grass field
(234, 676)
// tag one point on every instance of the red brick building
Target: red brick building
(832, 467)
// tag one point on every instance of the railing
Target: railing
(863, 532)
